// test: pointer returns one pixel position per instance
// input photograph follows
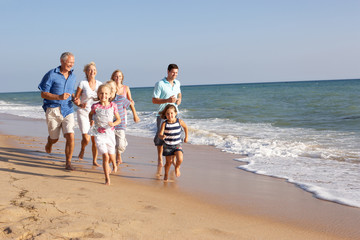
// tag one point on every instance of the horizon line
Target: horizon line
(217, 84)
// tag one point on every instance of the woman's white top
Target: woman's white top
(88, 95)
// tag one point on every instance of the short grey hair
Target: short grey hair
(64, 56)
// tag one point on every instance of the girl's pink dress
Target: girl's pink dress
(104, 134)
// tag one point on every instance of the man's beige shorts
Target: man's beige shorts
(55, 121)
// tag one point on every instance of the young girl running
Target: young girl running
(101, 119)
(170, 133)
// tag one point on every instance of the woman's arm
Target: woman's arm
(77, 98)
(78, 92)
(136, 117)
(128, 95)
(91, 117)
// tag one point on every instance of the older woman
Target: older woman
(87, 92)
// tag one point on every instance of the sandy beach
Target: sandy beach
(213, 199)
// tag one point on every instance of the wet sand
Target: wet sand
(212, 199)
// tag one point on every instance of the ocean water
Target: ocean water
(305, 132)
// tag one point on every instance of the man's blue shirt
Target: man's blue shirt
(163, 90)
(54, 82)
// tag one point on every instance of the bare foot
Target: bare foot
(177, 171)
(168, 181)
(115, 168)
(96, 164)
(158, 172)
(48, 147)
(69, 167)
(81, 155)
(107, 183)
(160, 163)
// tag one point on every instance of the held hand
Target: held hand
(65, 96)
(111, 124)
(76, 101)
(82, 105)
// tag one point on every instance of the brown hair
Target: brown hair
(172, 66)
(167, 107)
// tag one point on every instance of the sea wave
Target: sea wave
(324, 162)
(23, 110)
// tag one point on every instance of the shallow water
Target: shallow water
(306, 132)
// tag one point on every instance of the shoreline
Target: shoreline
(209, 177)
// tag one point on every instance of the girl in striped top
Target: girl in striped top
(170, 133)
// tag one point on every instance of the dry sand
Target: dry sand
(211, 200)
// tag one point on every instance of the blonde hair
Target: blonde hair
(86, 67)
(112, 85)
(116, 71)
(104, 85)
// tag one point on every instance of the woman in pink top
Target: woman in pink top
(124, 90)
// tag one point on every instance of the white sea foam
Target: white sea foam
(325, 163)
(35, 112)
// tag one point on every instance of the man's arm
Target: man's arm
(178, 100)
(171, 99)
(50, 96)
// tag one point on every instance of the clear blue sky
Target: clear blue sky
(211, 41)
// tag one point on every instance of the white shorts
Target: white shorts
(105, 142)
(121, 141)
(55, 122)
(83, 121)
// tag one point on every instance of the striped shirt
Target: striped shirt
(172, 133)
(122, 103)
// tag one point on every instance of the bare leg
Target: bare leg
(50, 142)
(173, 160)
(160, 152)
(112, 160)
(94, 152)
(167, 167)
(158, 171)
(106, 168)
(84, 142)
(69, 149)
(118, 158)
(179, 159)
